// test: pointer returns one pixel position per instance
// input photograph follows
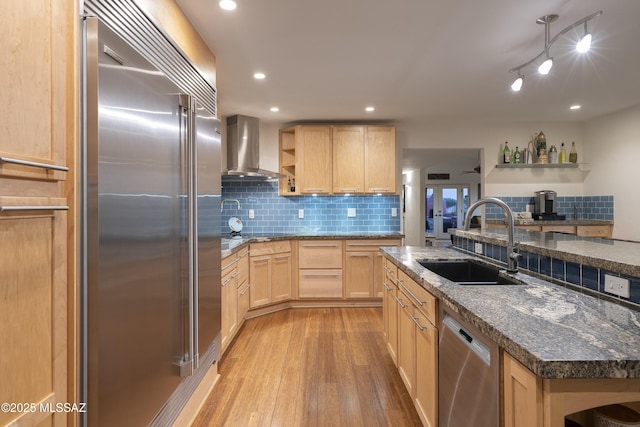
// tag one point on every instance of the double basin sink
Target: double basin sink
(468, 272)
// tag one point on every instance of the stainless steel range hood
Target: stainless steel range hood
(243, 150)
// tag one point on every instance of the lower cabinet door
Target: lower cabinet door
(359, 274)
(426, 387)
(260, 279)
(243, 301)
(281, 277)
(406, 344)
(229, 308)
(392, 307)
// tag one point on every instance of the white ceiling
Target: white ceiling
(417, 60)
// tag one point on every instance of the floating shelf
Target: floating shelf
(535, 165)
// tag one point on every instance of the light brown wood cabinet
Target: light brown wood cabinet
(380, 160)
(39, 86)
(417, 353)
(595, 230)
(338, 160)
(348, 159)
(363, 267)
(229, 300)
(522, 395)
(269, 272)
(390, 309)
(320, 269)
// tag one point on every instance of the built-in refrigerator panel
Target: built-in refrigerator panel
(135, 233)
(208, 186)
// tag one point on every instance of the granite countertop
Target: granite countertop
(520, 221)
(231, 245)
(618, 256)
(553, 331)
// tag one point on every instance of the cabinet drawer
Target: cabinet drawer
(419, 296)
(228, 264)
(320, 254)
(267, 248)
(369, 245)
(594, 230)
(320, 284)
(390, 272)
(243, 266)
(569, 229)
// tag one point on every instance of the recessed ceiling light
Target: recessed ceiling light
(369, 109)
(227, 4)
(574, 107)
(259, 76)
(274, 109)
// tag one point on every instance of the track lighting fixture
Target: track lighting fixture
(582, 46)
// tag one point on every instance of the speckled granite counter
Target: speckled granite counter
(612, 255)
(229, 246)
(553, 331)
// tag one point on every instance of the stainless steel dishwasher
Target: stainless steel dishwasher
(468, 376)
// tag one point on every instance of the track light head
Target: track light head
(584, 44)
(545, 67)
(517, 83)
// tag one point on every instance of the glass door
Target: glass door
(445, 207)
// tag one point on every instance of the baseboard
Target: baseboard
(312, 303)
(191, 410)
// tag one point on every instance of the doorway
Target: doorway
(445, 208)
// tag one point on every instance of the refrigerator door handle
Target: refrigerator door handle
(193, 232)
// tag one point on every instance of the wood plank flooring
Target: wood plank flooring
(310, 367)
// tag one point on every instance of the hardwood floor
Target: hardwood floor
(310, 367)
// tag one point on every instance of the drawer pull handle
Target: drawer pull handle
(230, 264)
(282, 257)
(320, 245)
(410, 293)
(33, 164)
(33, 208)
(415, 320)
(387, 287)
(245, 291)
(320, 275)
(400, 302)
(244, 254)
(226, 282)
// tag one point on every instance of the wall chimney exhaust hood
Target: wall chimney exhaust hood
(243, 150)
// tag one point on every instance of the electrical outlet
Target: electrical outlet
(300, 213)
(252, 214)
(394, 211)
(616, 285)
(478, 248)
(351, 212)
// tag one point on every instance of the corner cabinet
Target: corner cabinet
(39, 88)
(363, 267)
(349, 159)
(269, 273)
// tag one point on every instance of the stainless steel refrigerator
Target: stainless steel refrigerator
(150, 233)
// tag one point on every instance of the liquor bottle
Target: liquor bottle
(573, 154)
(517, 157)
(553, 155)
(562, 157)
(506, 153)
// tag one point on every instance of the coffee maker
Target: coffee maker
(545, 206)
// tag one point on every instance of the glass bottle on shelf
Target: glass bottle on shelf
(562, 157)
(573, 154)
(553, 155)
(506, 153)
(517, 156)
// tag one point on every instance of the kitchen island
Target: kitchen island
(562, 351)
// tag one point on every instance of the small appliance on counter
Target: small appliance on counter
(236, 227)
(545, 206)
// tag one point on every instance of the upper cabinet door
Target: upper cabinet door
(314, 171)
(36, 89)
(380, 159)
(348, 159)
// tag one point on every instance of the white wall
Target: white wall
(414, 217)
(612, 153)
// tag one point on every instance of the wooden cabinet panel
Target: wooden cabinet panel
(33, 312)
(406, 343)
(522, 395)
(281, 277)
(569, 229)
(378, 275)
(419, 296)
(324, 283)
(36, 69)
(320, 254)
(229, 307)
(380, 159)
(267, 248)
(243, 266)
(426, 385)
(260, 279)
(594, 231)
(390, 310)
(348, 159)
(313, 168)
(359, 272)
(243, 301)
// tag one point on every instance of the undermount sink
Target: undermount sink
(468, 272)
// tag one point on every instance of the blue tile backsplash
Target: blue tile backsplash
(275, 214)
(586, 207)
(557, 270)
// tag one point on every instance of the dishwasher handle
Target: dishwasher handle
(474, 344)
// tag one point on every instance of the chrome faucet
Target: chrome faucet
(229, 200)
(513, 255)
